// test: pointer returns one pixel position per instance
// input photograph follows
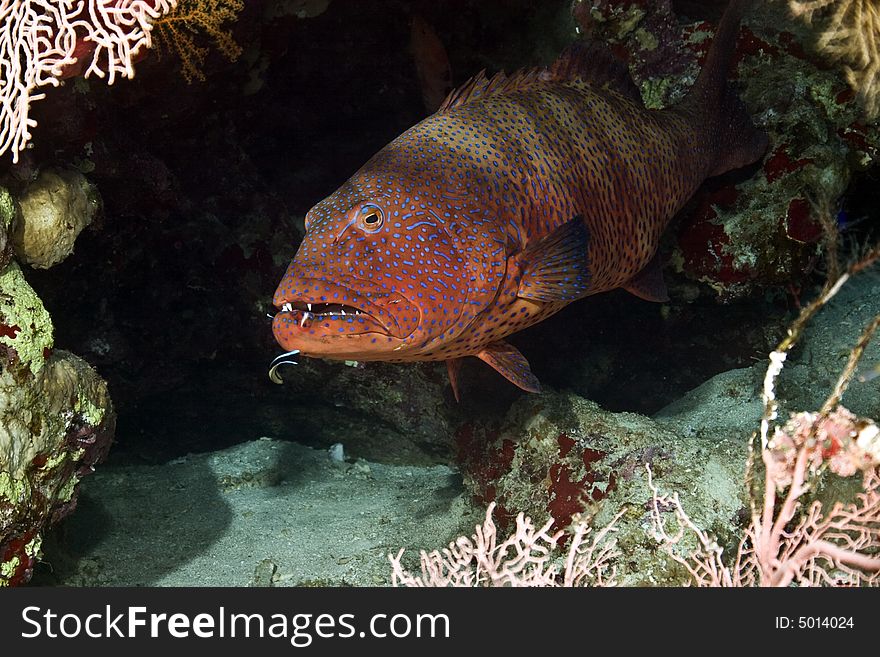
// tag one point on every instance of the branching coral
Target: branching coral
(177, 30)
(528, 557)
(850, 35)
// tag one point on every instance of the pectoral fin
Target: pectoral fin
(512, 365)
(556, 268)
(648, 284)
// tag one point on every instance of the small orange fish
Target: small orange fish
(518, 196)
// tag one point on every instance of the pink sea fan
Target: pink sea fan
(42, 41)
(786, 544)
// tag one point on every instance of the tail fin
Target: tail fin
(738, 142)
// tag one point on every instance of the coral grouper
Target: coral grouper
(520, 195)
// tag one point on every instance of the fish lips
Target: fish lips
(310, 304)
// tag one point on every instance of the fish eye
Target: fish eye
(370, 218)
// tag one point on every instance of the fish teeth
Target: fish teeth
(309, 306)
(307, 317)
(287, 307)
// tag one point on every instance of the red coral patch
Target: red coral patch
(15, 548)
(779, 164)
(800, 224)
(568, 497)
(750, 45)
(854, 135)
(8, 331)
(702, 241)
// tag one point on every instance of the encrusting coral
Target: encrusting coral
(55, 208)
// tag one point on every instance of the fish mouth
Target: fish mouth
(350, 319)
(309, 312)
(314, 310)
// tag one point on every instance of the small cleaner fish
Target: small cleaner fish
(521, 194)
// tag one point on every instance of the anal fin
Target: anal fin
(648, 284)
(511, 364)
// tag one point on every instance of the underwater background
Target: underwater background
(196, 176)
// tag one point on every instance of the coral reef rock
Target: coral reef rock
(386, 412)
(8, 212)
(56, 422)
(54, 210)
(745, 231)
(560, 454)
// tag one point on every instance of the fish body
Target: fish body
(519, 196)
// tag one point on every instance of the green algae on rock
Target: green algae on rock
(56, 421)
(8, 212)
(26, 331)
(53, 428)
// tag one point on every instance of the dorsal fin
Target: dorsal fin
(593, 63)
(583, 62)
(479, 86)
